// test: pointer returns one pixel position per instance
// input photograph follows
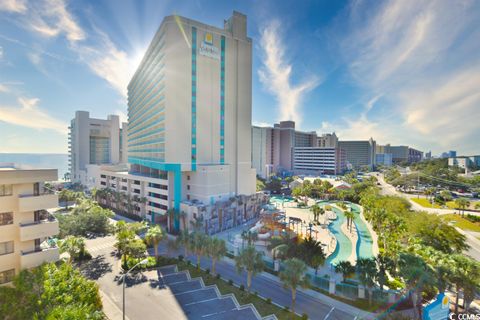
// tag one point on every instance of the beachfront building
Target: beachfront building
(94, 141)
(360, 153)
(189, 120)
(272, 147)
(401, 154)
(25, 224)
(318, 161)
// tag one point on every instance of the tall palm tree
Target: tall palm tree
(350, 215)
(197, 223)
(385, 264)
(294, 275)
(345, 268)
(184, 239)
(315, 210)
(154, 236)
(322, 213)
(462, 204)
(251, 261)
(183, 216)
(367, 273)
(199, 245)
(249, 236)
(416, 274)
(216, 250)
(466, 273)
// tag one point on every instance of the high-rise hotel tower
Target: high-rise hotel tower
(189, 111)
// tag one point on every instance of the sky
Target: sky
(403, 72)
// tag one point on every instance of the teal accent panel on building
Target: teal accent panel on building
(194, 100)
(176, 168)
(222, 100)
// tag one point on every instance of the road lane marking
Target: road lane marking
(328, 314)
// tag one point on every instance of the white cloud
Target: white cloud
(51, 18)
(28, 114)
(4, 88)
(276, 75)
(122, 115)
(261, 124)
(420, 58)
(18, 6)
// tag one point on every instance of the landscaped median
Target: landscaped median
(264, 307)
(467, 223)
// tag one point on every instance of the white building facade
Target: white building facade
(189, 118)
(315, 160)
(93, 141)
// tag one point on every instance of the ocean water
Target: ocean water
(37, 160)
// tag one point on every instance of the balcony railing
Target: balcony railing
(39, 255)
(31, 202)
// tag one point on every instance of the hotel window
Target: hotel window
(188, 187)
(6, 247)
(7, 276)
(6, 218)
(6, 190)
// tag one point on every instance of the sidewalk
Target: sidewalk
(110, 308)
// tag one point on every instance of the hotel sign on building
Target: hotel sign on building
(208, 49)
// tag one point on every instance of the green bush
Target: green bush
(286, 309)
(268, 300)
(230, 282)
(219, 276)
(304, 316)
(242, 287)
(180, 257)
(152, 263)
(207, 271)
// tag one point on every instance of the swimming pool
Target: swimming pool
(279, 199)
(344, 245)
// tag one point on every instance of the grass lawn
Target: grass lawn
(462, 223)
(425, 203)
(243, 297)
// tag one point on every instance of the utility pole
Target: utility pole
(418, 184)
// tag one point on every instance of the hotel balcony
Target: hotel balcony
(34, 258)
(37, 202)
(38, 229)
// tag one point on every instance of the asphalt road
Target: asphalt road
(146, 300)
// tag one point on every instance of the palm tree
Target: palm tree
(199, 245)
(315, 210)
(251, 261)
(154, 236)
(465, 274)
(184, 239)
(197, 223)
(65, 196)
(216, 250)
(74, 246)
(429, 192)
(322, 212)
(385, 264)
(316, 261)
(350, 215)
(294, 275)
(250, 237)
(183, 216)
(367, 273)
(416, 274)
(345, 268)
(462, 204)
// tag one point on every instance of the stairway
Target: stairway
(205, 302)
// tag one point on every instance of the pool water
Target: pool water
(344, 245)
(280, 199)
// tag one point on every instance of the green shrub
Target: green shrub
(242, 287)
(207, 271)
(286, 309)
(255, 294)
(304, 316)
(180, 258)
(230, 282)
(268, 300)
(218, 276)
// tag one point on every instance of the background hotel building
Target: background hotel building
(189, 117)
(94, 141)
(24, 222)
(274, 150)
(360, 153)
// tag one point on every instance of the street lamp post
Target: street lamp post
(143, 262)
